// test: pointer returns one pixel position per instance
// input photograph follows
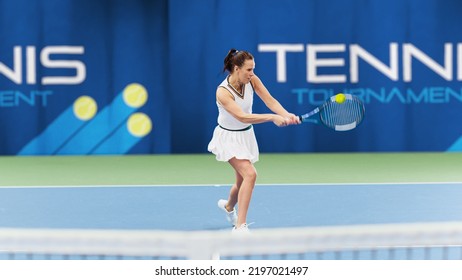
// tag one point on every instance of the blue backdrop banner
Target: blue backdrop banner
(130, 77)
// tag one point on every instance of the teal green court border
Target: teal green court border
(203, 169)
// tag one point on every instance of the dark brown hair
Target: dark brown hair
(235, 58)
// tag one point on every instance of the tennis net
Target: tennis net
(390, 241)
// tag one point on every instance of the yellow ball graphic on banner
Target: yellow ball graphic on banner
(135, 95)
(139, 125)
(85, 108)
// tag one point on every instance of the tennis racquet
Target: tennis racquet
(339, 114)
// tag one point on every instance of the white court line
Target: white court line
(229, 185)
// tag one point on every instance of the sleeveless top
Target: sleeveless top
(225, 119)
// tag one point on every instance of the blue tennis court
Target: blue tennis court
(187, 208)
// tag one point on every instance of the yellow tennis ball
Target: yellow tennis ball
(135, 95)
(340, 98)
(139, 125)
(85, 108)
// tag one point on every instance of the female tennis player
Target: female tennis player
(234, 139)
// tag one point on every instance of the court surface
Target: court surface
(195, 207)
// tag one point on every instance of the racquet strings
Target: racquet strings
(339, 114)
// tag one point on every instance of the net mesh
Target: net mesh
(399, 241)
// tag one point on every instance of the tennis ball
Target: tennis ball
(340, 98)
(85, 108)
(135, 95)
(139, 125)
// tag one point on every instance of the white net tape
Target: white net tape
(260, 243)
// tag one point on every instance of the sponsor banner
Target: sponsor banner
(402, 58)
(83, 78)
(130, 77)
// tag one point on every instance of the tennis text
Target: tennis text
(16, 74)
(334, 58)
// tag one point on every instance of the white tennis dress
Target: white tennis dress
(232, 138)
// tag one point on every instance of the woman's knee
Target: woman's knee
(251, 173)
(245, 169)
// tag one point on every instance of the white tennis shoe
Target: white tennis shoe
(230, 216)
(242, 229)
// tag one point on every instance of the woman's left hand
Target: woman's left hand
(292, 119)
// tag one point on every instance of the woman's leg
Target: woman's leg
(234, 193)
(246, 170)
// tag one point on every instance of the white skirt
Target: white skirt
(239, 144)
